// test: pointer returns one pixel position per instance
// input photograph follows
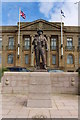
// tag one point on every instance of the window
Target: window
(0, 59)
(10, 59)
(26, 59)
(79, 42)
(53, 43)
(53, 59)
(79, 59)
(11, 43)
(27, 43)
(0, 43)
(70, 59)
(69, 42)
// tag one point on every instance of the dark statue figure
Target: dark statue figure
(40, 48)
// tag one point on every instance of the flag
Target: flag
(62, 13)
(22, 14)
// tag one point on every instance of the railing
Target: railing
(10, 47)
(54, 48)
(69, 48)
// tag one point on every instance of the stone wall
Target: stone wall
(40, 82)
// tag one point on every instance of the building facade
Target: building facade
(52, 31)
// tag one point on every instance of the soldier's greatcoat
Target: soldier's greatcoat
(40, 45)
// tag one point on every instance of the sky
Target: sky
(48, 10)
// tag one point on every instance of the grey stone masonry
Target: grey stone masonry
(39, 90)
(40, 82)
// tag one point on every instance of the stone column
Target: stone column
(48, 53)
(32, 54)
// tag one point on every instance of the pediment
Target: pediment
(40, 24)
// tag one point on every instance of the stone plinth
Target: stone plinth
(43, 83)
(39, 90)
(40, 70)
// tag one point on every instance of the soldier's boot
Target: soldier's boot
(45, 67)
(38, 67)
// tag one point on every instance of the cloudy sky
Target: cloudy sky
(48, 10)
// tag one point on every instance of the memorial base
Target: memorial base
(40, 70)
(39, 86)
(39, 91)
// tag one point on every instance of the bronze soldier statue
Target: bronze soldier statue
(40, 48)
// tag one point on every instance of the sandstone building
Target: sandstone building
(52, 31)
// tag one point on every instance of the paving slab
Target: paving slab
(15, 106)
(39, 113)
(59, 113)
(39, 103)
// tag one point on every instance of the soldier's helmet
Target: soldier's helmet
(38, 31)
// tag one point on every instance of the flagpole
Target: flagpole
(61, 38)
(19, 33)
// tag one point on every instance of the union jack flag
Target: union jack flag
(22, 14)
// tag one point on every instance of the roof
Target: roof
(34, 25)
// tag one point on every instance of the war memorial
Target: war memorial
(40, 93)
(42, 77)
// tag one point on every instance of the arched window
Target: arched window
(70, 59)
(10, 59)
